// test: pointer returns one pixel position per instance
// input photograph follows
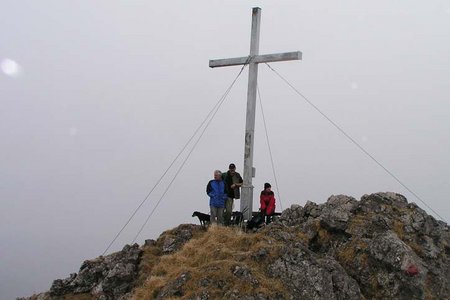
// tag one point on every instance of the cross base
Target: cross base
(247, 206)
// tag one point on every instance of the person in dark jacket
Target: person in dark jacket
(233, 182)
(217, 196)
(267, 200)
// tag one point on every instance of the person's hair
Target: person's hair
(217, 172)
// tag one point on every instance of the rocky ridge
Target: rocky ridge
(380, 247)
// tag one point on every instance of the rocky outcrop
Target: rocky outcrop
(310, 277)
(387, 247)
(114, 276)
(174, 288)
(106, 277)
(380, 247)
(176, 238)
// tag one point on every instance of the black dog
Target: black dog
(256, 221)
(204, 219)
(237, 218)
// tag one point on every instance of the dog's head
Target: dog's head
(195, 214)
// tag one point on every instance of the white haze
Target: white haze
(98, 97)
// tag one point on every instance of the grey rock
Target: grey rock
(308, 277)
(260, 255)
(178, 237)
(106, 277)
(312, 209)
(295, 207)
(41, 296)
(170, 245)
(150, 243)
(204, 282)
(380, 202)
(203, 295)
(63, 286)
(337, 212)
(345, 287)
(244, 273)
(387, 248)
(174, 288)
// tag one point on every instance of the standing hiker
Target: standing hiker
(267, 200)
(233, 182)
(217, 196)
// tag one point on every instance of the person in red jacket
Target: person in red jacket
(267, 200)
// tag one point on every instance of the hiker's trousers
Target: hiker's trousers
(216, 215)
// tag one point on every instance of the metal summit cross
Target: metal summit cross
(253, 60)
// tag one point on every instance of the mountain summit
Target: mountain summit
(380, 247)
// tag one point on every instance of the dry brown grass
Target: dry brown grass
(324, 236)
(152, 254)
(429, 293)
(149, 259)
(359, 221)
(212, 256)
(399, 229)
(352, 252)
(373, 282)
(415, 247)
(298, 235)
(347, 255)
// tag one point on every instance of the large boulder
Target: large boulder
(309, 277)
(106, 277)
(391, 248)
(174, 239)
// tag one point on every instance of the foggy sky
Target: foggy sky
(105, 94)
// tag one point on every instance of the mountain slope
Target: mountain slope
(380, 247)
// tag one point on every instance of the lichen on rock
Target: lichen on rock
(380, 247)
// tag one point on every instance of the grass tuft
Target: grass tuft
(210, 260)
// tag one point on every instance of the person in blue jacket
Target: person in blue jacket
(217, 196)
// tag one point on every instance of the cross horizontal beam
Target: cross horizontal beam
(214, 63)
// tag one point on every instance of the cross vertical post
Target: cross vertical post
(253, 60)
(247, 187)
